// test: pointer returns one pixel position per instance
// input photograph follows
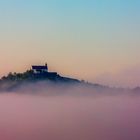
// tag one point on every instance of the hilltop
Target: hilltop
(36, 74)
(31, 82)
(15, 81)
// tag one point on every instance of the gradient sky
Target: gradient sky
(95, 40)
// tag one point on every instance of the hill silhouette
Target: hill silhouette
(14, 81)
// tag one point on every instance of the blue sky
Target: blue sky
(100, 34)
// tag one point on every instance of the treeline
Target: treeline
(18, 76)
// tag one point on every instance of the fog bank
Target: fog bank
(64, 115)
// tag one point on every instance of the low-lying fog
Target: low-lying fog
(69, 114)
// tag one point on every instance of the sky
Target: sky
(94, 40)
